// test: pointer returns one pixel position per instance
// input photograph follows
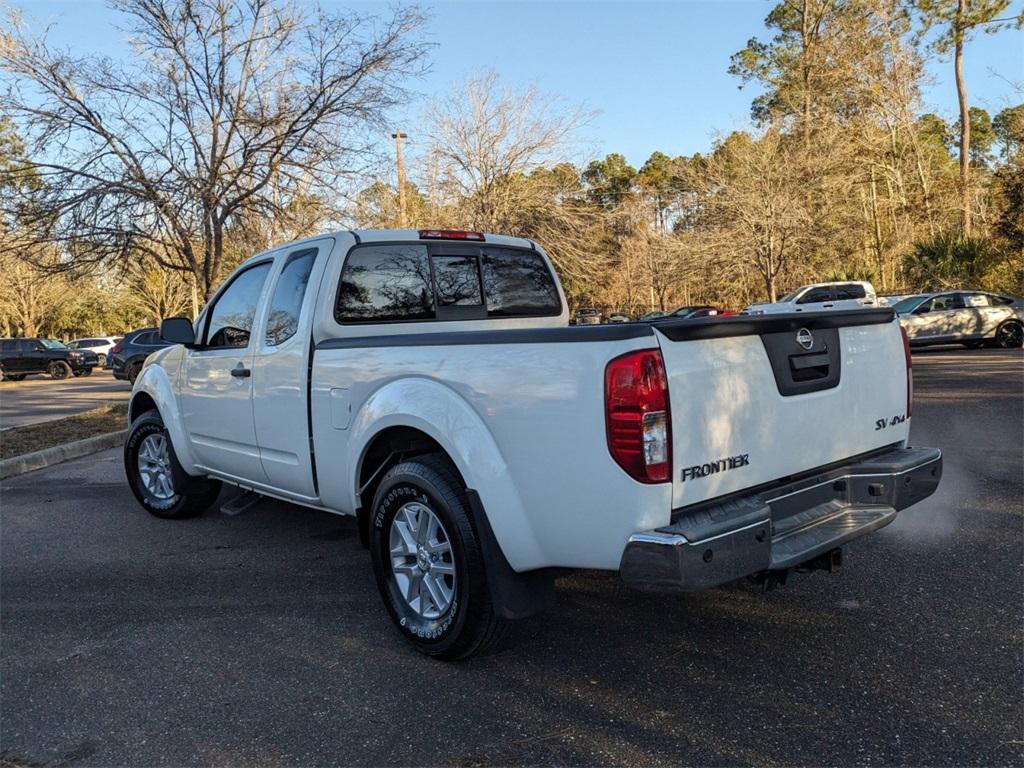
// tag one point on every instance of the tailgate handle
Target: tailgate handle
(809, 367)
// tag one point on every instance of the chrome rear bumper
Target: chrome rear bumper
(781, 527)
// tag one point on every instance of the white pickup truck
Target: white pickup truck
(429, 383)
(855, 294)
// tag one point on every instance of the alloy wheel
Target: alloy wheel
(1010, 335)
(422, 560)
(155, 467)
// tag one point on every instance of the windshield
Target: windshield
(903, 306)
(53, 344)
(793, 295)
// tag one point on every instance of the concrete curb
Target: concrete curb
(29, 462)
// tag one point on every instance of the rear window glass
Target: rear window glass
(383, 283)
(457, 280)
(518, 284)
(851, 291)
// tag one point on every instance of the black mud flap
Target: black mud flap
(514, 595)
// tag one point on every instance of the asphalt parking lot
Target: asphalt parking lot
(128, 640)
(40, 398)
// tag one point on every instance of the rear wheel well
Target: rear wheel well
(140, 404)
(386, 449)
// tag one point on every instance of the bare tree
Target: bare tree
(754, 209)
(227, 109)
(484, 136)
(31, 299)
(157, 292)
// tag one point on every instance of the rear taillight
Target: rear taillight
(637, 415)
(116, 349)
(910, 372)
(449, 234)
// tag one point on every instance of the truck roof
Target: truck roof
(398, 235)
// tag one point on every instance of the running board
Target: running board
(243, 502)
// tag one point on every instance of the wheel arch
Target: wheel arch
(430, 415)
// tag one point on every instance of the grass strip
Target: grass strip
(18, 441)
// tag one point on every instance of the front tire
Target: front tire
(133, 372)
(428, 561)
(156, 477)
(58, 369)
(1010, 335)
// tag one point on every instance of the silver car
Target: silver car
(971, 318)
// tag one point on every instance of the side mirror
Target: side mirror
(178, 330)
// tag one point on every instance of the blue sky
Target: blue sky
(654, 71)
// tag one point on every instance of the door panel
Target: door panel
(217, 390)
(281, 371)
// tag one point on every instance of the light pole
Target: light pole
(398, 136)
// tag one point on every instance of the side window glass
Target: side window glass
(815, 295)
(283, 317)
(10, 346)
(231, 317)
(518, 284)
(383, 283)
(850, 291)
(458, 281)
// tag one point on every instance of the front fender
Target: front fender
(158, 380)
(441, 413)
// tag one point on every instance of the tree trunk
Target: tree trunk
(965, 120)
(805, 39)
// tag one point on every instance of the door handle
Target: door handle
(828, 306)
(240, 372)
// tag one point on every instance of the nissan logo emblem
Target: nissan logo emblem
(804, 338)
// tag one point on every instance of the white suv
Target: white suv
(850, 294)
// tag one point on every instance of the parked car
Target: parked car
(429, 384)
(653, 315)
(22, 357)
(101, 345)
(588, 316)
(700, 310)
(971, 318)
(848, 294)
(619, 317)
(131, 352)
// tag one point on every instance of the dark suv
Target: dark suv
(131, 352)
(20, 357)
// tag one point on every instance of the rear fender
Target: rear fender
(441, 413)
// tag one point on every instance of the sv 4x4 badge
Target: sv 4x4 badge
(714, 467)
(892, 422)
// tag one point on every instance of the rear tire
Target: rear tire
(156, 477)
(58, 369)
(428, 561)
(1010, 335)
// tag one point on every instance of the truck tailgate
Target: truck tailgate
(756, 400)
